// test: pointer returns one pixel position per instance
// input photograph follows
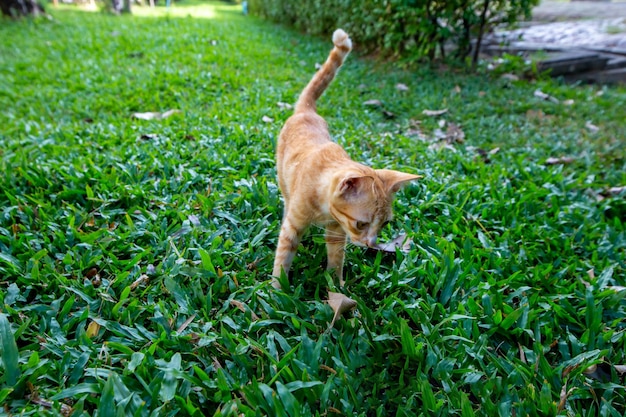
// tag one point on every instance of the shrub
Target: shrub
(413, 29)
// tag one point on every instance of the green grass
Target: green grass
(135, 255)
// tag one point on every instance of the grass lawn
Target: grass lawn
(135, 254)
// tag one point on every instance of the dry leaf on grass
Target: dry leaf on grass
(610, 192)
(540, 94)
(454, 134)
(284, 106)
(388, 114)
(483, 153)
(417, 133)
(92, 329)
(434, 112)
(401, 242)
(243, 307)
(402, 87)
(616, 190)
(142, 278)
(437, 146)
(509, 77)
(592, 128)
(185, 324)
(152, 115)
(562, 397)
(66, 410)
(559, 161)
(378, 104)
(373, 103)
(444, 140)
(340, 304)
(621, 369)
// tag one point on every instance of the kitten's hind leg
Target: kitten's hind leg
(288, 241)
(335, 250)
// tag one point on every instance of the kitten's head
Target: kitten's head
(361, 201)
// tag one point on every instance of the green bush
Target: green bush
(410, 28)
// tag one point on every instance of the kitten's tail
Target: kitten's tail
(323, 77)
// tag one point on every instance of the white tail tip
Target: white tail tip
(342, 40)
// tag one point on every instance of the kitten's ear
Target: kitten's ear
(350, 186)
(394, 180)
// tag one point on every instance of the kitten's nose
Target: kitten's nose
(370, 242)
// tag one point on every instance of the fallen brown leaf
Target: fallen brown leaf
(284, 106)
(92, 329)
(437, 146)
(402, 87)
(241, 306)
(509, 77)
(373, 103)
(559, 161)
(562, 398)
(388, 114)
(454, 134)
(185, 324)
(415, 132)
(522, 355)
(151, 115)
(621, 369)
(434, 112)
(340, 304)
(142, 278)
(66, 410)
(540, 94)
(592, 128)
(328, 368)
(485, 154)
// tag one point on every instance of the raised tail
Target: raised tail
(323, 77)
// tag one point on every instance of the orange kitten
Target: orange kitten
(322, 185)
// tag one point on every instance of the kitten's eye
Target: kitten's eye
(362, 225)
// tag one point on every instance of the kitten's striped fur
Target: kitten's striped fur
(322, 185)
